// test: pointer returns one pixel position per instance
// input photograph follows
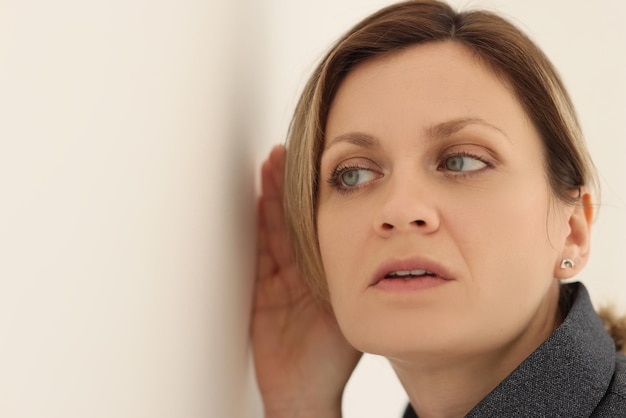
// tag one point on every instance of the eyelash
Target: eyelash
(462, 174)
(335, 176)
(335, 182)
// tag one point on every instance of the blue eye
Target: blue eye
(354, 174)
(459, 163)
(354, 177)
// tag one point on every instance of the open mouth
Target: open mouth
(409, 274)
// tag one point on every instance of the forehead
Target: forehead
(426, 84)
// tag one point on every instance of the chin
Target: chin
(398, 333)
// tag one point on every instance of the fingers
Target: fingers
(266, 266)
(272, 199)
(271, 208)
(277, 160)
(272, 174)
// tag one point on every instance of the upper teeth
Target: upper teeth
(403, 273)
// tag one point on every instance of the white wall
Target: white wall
(127, 206)
(584, 39)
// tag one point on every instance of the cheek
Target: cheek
(342, 233)
(509, 249)
(512, 239)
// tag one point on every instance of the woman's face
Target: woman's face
(437, 228)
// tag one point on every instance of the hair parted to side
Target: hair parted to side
(509, 53)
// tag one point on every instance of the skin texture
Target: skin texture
(392, 197)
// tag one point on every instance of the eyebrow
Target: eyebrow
(449, 128)
(359, 139)
(434, 132)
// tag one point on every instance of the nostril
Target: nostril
(387, 227)
(419, 222)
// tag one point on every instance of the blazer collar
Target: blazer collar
(566, 376)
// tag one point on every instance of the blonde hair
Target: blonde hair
(500, 45)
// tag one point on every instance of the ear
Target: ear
(577, 242)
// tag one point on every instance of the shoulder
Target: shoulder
(614, 402)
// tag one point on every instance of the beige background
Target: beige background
(127, 167)
(130, 135)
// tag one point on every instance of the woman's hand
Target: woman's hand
(302, 360)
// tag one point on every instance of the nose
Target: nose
(408, 204)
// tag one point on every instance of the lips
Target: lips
(408, 269)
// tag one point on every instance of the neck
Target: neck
(447, 392)
(450, 387)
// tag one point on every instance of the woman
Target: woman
(437, 190)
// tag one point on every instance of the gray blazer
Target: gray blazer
(575, 373)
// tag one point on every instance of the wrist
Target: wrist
(302, 410)
(303, 414)
(303, 401)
